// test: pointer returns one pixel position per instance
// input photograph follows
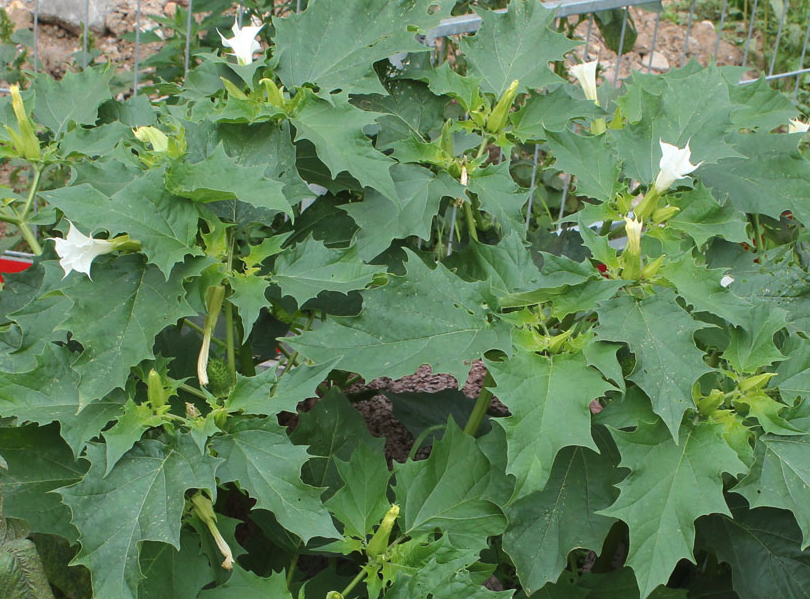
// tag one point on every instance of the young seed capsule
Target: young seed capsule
(154, 389)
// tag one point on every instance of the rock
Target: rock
(657, 61)
(20, 15)
(70, 14)
(170, 9)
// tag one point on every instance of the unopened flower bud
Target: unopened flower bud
(497, 118)
(379, 542)
(25, 142)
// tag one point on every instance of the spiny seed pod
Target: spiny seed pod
(220, 379)
(497, 118)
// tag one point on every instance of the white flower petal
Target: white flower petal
(243, 42)
(797, 126)
(586, 75)
(674, 165)
(726, 280)
(77, 251)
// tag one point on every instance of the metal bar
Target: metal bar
(778, 37)
(654, 39)
(239, 14)
(472, 22)
(533, 185)
(86, 29)
(188, 38)
(720, 29)
(777, 76)
(621, 46)
(750, 32)
(566, 184)
(137, 47)
(801, 60)
(452, 229)
(36, 34)
(588, 39)
(688, 32)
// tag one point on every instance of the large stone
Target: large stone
(658, 62)
(71, 14)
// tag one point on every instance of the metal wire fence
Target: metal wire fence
(565, 9)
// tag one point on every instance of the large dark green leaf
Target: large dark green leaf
(660, 334)
(348, 39)
(547, 411)
(73, 99)
(517, 44)
(670, 485)
(260, 455)
(427, 317)
(141, 499)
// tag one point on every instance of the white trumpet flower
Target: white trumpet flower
(586, 75)
(674, 165)
(77, 251)
(797, 126)
(243, 43)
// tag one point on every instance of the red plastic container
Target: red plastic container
(12, 264)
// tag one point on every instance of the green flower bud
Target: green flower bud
(708, 405)
(275, 94)
(204, 510)
(756, 382)
(497, 118)
(651, 269)
(26, 142)
(379, 542)
(665, 213)
(154, 389)
(154, 136)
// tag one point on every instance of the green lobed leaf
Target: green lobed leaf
(168, 572)
(672, 482)
(248, 296)
(518, 44)
(445, 491)
(691, 109)
(702, 217)
(544, 526)
(141, 499)
(500, 196)
(780, 478)
(143, 209)
(426, 317)
(410, 212)
(244, 584)
(260, 455)
(751, 346)
(73, 99)
(309, 268)
(116, 317)
(332, 430)
(128, 429)
(361, 502)
(762, 548)
(336, 130)
(550, 112)
(21, 573)
(547, 412)
(38, 462)
(350, 38)
(659, 333)
(768, 162)
(590, 160)
(220, 177)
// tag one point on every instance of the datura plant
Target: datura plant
(219, 267)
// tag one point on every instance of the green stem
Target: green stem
(246, 365)
(229, 343)
(483, 146)
(283, 351)
(192, 391)
(421, 439)
(606, 225)
(29, 202)
(291, 572)
(200, 330)
(291, 360)
(468, 214)
(481, 406)
(355, 581)
(758, 241)
(30, 238)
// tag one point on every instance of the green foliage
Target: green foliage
(193, 415)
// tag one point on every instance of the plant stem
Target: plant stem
(31, 193)
(291, 571)
(229, 343)
(758, 241)
(30, 238)
(246, 365)
(192, 391)
(355, 581)
(200, 330)
(481, 406)
(421, 439)
(291, 360)
(483, 146)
